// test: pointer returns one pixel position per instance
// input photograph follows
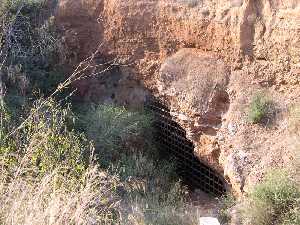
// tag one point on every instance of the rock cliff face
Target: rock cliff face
(205, 59)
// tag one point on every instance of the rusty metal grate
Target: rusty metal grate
(172, 140)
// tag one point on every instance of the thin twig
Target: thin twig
(78, 74)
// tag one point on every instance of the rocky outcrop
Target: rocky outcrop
(194, 85)
(205, 58)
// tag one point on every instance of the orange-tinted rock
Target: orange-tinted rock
(242, 47)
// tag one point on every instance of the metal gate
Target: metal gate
(172, 140)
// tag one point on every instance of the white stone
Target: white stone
(236, 3)
(183, 117)
(209, 221)
(232, 129)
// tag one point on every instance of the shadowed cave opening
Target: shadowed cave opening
(172, 142)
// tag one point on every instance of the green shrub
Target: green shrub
(226, 202)
(30, 48)
(26, 34)
(48, 141)
(48, 174)
(5, 120)
(274, 201)
(293, 216)
(151, 190)
(110, 127)
(29, 45)
(260, 108)
(52, 169)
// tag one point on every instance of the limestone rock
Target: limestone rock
(196, 82)
(209, 221)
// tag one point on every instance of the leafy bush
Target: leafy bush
(111, 127)
(27, 35)
(274, 201)
(226, 202)
(48, 174)
(260, 108)
(150, 189)
(47, 141)
(30, 47)
(293, 216)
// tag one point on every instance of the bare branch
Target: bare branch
(80, 72)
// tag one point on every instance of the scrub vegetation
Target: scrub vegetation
(63, 166)
(99, 164)
(261, 109)
(274, 201)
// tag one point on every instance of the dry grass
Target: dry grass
(294, 133)
(46, 174)
(44, 177)
(273, 201)
(29, 201)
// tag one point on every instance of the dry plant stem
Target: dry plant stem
(2, 93)
(78, 74)
(9, 31)
(4, 55)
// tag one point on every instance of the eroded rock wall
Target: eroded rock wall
(205, 58)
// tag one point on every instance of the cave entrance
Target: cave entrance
(172, 141)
